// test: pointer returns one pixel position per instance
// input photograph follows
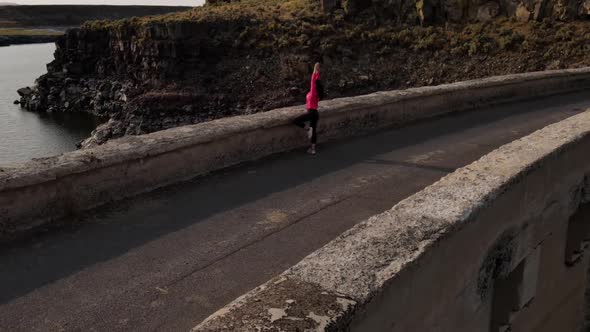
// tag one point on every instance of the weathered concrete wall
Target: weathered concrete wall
(495, 246)
(43, 190)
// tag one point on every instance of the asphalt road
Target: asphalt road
(166, 260)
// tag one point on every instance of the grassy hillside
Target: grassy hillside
(15, 36)
(28, 32)
(275, 25)
(72, 15)
(245, 11)
(152, 73)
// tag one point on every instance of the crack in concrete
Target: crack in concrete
(411, 165)
(260, 239)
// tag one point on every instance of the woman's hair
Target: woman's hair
(316, 67)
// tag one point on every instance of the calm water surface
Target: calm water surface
(25, 135)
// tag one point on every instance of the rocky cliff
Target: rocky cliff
(243, 57)
(439, 11)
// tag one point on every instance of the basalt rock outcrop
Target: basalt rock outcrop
(236, 58)
(436, 11)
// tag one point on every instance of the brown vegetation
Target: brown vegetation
(256, 55)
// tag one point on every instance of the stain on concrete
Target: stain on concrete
(586, 190)
(322, 321)
(276, 314)
(284, 304)
(276, 216)
(575, 196)
(162, 291)
(426, 156)
(496, 263)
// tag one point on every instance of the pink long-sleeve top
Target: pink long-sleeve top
(312, 99)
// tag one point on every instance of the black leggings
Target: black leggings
(312, 116)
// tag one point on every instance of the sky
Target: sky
(109, 2)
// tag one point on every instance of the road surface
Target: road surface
(166, 260)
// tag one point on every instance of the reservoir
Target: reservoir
(25, 135)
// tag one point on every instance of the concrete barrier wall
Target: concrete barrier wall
(497, 245)
(44, 190)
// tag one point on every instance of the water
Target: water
(26, 135)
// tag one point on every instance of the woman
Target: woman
(309, 120)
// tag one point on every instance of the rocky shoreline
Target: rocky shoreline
(109, 99)
(173, 71)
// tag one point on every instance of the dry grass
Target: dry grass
(285, 25)
(5, 23)
(245, 10)
(28, 32)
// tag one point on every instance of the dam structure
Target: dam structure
(457, 207)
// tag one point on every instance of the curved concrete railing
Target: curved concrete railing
(495, 246)
(44, 190)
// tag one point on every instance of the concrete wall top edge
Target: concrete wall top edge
(385, 243)
(137, 147)
(359, 263)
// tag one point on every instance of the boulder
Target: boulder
(354, 6)
(488, 11)
(453, 10)
(562, 10)
(73, 68)
(329, 5)
(102, 133)
(117, 128)
(522, 13)
(426, 12)
(540, 8)
(73, 90)
(88, 143)
(294, 91)
(24, 92)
